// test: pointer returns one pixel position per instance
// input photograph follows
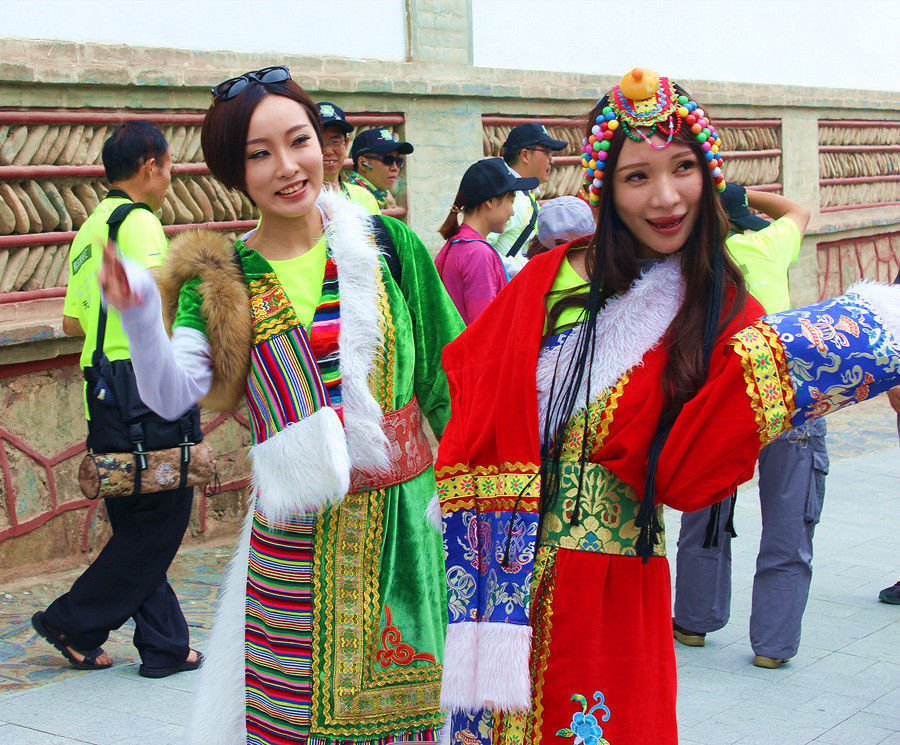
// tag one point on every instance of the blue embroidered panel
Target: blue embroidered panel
(838, 352)
(471, 727)
(481, 586)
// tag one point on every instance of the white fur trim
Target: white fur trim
(458, 684)
(627, 328)
(504, 666)
(433, 514)
(487, 665)
(219, 710)
(302, 468)
(883, 299)
(349, 236)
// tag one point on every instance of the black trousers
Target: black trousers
(128, 580)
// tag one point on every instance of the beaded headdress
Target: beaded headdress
(644, 104)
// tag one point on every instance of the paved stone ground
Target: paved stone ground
(843, 686)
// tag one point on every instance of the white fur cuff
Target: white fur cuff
(504, 675)
(487, 665)
(884, 300)
(460, 662)
(302, 468)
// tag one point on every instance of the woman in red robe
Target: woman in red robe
(613, 376)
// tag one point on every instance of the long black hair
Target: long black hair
(612, 266)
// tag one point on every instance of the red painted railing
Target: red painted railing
(837, 258)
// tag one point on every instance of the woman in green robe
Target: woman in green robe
(331, 323)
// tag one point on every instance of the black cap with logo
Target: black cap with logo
(378, 140)
(331, 114)
(490, 178)
(527, 135)
(734, 200)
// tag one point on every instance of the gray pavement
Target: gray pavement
(843, 686)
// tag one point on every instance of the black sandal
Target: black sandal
(59, 641)
(165, 672)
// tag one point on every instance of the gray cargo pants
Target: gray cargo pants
(792, 472)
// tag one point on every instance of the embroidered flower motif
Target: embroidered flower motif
(585, 727)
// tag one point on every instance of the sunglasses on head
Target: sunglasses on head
(388, 160)
(230, 88)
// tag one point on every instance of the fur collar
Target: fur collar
(226, 309)
(629, 326)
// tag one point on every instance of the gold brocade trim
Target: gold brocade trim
(768, 382)
(271, 308)
(777, 348)
(542, 623)
(489, 490)
(607, 513)
(517, 467)
(609, 408)
(518, 728)
(381, 381)
(351, 698)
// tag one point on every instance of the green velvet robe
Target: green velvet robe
(378, 591)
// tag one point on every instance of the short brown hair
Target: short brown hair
(225, 127)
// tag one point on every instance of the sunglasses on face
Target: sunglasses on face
(230, 88)
(388, 160)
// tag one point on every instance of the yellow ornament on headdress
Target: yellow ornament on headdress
(639, 84)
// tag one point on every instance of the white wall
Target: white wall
(827, 43)
(345, 28)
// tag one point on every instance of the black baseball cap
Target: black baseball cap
(734, 200)
(378, 140)
(331, 114)
(489, 178)
(532, 133)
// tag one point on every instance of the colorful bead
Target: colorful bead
(662, 113)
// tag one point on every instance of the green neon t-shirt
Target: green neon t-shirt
(300, 277)
(141, 239)
(764, 257)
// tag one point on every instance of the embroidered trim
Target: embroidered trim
(609, 408)
(543, 588)
(490, 489)
(272, 311)
(393, 650)
(607, 513)
(353, 700)
(768, 383)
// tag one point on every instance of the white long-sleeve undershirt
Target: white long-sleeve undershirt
(172, 374)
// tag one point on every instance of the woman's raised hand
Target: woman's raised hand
(114, 281)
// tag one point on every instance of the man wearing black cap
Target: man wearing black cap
(335, 141)
(377, 160)
(792, 471)
(528, 152)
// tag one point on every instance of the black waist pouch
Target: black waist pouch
(121, 423)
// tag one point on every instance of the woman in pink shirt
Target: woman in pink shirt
(469, 266)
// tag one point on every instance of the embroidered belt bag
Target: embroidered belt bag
(410, 451)
(105, 475)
